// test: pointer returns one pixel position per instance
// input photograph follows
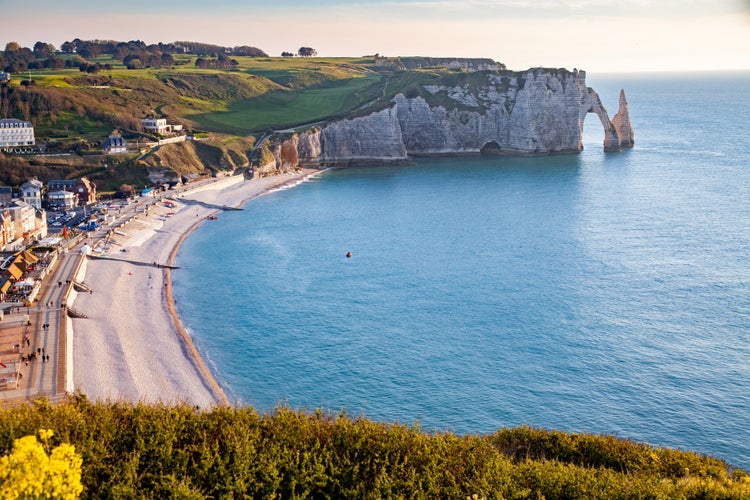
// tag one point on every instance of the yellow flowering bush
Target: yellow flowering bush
(28, 472)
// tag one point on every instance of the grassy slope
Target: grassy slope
(257, 95)
(286, 108)
(200, 156)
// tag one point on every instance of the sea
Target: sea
(604, 293)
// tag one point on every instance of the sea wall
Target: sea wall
(539, 111)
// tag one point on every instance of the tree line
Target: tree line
(134, 54)
(302, 52)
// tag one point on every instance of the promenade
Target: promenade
(48, 331)
(45, 323)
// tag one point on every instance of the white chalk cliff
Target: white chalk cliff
(539, 111)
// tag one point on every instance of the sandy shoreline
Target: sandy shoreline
(132, 345)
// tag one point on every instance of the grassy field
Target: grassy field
(257, 94)
(287, 108)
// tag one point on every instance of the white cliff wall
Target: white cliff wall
(539, 111)
(375, 138)
(534, 113)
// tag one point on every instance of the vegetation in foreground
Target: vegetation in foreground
(162, 451)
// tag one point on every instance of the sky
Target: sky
(594, 35)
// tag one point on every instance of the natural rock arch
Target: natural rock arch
(617, 133)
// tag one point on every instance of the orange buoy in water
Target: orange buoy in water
(348, 254)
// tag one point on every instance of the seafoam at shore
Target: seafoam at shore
(131, 346)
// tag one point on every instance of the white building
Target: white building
(158, 125)
(31, 192)
(15, 133)
(62, 200)
(29, 223)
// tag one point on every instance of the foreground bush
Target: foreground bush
(160, 451)
(29, 472)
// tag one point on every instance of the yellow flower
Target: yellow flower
(29, 472)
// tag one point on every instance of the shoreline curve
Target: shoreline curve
(133, 345)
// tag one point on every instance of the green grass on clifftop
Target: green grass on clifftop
(286, 108)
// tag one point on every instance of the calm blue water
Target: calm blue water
(589, 293)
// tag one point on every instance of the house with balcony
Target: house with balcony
(84, 189)
(61, 201)
(160, 126)
(15, 133)
(29, 223)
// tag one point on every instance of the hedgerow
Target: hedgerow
(160, 451)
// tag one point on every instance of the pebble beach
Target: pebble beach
(131, 345)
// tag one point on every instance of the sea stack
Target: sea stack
(621, 121)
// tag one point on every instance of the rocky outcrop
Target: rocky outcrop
(594, 105)
(308, 148)
(540, 111)
(286, 154)
(465, 64)
(622, 124)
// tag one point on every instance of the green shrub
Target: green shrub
(162, 451)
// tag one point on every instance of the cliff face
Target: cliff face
(308, 148)
(540, 111)
(466, 64)
(375, 138)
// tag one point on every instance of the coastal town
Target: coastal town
(46, 233)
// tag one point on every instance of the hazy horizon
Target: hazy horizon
(595, 35)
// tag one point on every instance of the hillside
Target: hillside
(73, 111)
(200, 157)
(140, 451)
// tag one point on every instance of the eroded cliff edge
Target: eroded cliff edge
(538, 111)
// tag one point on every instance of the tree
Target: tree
(43, 50)
(167, 60)
(307, 52)
(12, 47)
(53, 62)
(68, 47)
(287, 54)
(246, 50)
